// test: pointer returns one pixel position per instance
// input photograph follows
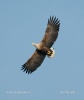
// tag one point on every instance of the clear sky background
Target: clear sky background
(23, 22)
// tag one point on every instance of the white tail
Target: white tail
(53, 54)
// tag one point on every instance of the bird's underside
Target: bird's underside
(32, 65)
(48, 40)
(47, 51)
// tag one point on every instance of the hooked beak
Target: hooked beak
(33, 43)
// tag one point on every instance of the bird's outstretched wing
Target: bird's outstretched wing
(34, 62)
(51, 32)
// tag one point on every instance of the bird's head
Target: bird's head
(36, 45)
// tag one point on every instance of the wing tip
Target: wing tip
(54, 21)
(25, 69)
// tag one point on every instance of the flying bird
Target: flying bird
(43, 48)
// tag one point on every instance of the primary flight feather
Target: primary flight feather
(44, 47)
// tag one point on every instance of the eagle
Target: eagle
(44, 48)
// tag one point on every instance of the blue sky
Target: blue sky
(23, 22)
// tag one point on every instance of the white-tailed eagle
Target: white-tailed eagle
(44, 47)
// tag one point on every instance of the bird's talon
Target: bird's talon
(49, 52)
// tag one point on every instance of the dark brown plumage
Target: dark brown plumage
(48, 40)
(51, 32)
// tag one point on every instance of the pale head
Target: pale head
(36, 45)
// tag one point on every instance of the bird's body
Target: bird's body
(44, 47)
